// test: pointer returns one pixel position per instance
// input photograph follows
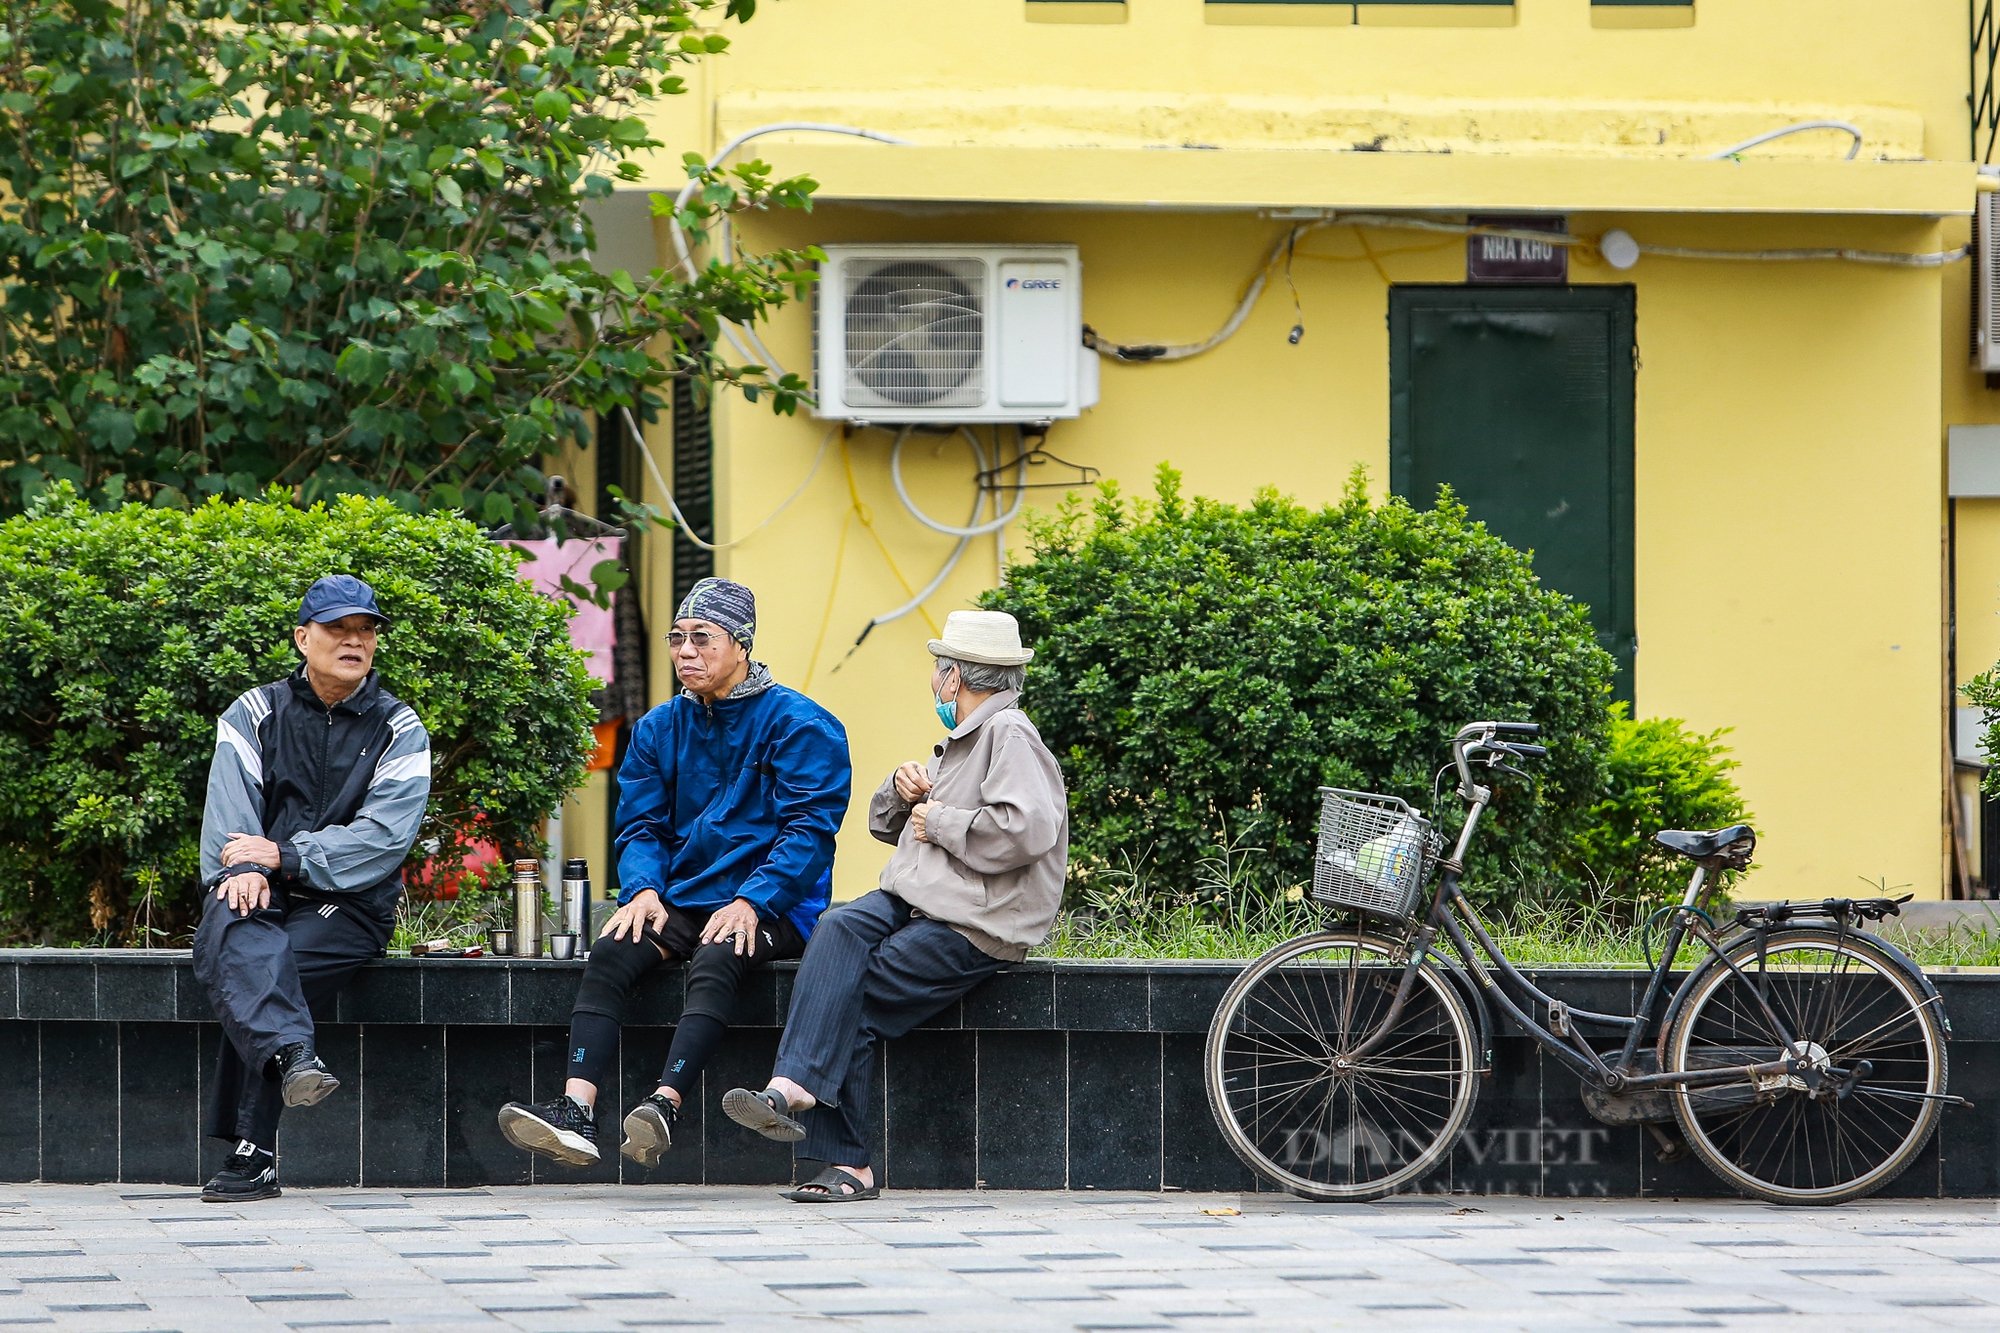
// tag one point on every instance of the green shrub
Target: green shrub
(1658, 775)
(125, 633)
(1200, 669)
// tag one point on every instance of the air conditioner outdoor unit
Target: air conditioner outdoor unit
(1986, 284)
(951, 334)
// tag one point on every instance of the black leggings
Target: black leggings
(714, 972)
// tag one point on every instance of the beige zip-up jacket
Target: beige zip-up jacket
(997, 845)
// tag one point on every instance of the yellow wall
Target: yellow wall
(1788, 418)
(1787, 483)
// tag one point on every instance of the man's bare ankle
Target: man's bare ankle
(796, 1097)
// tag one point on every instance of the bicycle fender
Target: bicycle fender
(1475, 999)
(1711, 962)
(1909, 965)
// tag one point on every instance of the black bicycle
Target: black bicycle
(1803, 1058)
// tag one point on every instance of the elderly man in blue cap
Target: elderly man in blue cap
(315, 792)
(728, 801)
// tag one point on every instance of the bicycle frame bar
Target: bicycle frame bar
(1518, 997)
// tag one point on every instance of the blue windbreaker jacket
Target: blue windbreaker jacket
(736, 799)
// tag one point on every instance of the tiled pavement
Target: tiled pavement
(120, 1257)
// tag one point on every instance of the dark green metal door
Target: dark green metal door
(1521, 399)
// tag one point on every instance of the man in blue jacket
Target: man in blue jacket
(728, 802)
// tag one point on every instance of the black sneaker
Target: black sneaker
(564, 1129)
(649, 1130)
(249, 1174)
(306, 1082)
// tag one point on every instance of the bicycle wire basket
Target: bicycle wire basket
(1375, 853)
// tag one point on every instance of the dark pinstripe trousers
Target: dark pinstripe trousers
(872, 971)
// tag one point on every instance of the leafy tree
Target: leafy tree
(124, 634)
(1201, 669)
(340, 245)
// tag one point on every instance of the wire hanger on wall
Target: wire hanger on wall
(575, 522)
(991, 478)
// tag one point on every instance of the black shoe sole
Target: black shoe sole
(213, 1196)
(538, 1136)
(647, 1136)
(309, 1087)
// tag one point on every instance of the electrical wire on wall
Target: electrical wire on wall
(673, 505)
(973, 528)
(1616, 247)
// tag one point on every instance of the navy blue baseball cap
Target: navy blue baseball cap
(337, 596)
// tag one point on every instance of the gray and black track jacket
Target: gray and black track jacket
(340, 790)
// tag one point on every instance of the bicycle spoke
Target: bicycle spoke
(1304, 1120)
(1848, 1002)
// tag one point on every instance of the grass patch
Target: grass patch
(1238, 925)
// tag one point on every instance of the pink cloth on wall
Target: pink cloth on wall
(591, 627)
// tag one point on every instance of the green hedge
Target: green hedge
(125, 633)
(1658, 775)
(1201, 669)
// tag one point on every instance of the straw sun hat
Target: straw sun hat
(991, 638)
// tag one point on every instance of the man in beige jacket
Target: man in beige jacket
(982, 844)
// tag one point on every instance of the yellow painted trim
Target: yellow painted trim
(1238, 179)
(1108, 12)
(1434, 16)
(1278, 16)
(1642, 16)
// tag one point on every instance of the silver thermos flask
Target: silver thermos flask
(527, 908)
(576, 896)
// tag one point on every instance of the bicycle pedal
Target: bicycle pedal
(1671, 1147)
(1559, 1018)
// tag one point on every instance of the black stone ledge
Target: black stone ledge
(1044, 1047)
(1136, 996)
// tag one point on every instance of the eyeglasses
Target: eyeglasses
(701, 638)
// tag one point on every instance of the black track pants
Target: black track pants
(267, 975)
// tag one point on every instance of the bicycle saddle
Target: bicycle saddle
(1718, 849)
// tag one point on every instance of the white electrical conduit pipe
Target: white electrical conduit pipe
(1796, 128)
(748, 345)
(674, 508)
(977, 529)
(979, 498)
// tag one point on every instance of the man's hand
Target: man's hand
(919, 818)
(249, 848)
(643, 911)
(913, 781)
(245, 893)
(736, 923)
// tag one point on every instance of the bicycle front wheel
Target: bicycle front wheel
(1301, 1107)
(1857, 1014)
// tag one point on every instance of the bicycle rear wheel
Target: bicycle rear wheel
(1857, 1012)
(1301, 1112)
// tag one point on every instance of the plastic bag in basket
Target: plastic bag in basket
(1392, 858)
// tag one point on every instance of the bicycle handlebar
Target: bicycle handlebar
(1479, 737)
(1500, 729)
